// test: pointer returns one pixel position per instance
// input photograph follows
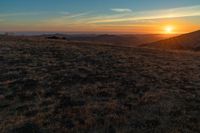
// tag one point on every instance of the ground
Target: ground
(52, 86)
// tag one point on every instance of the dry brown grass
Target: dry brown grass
(60, 86)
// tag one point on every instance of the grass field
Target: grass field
(54, 86)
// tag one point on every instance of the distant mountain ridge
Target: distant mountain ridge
(122, 40)
(189, 41)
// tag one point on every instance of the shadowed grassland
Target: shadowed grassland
(49, 86)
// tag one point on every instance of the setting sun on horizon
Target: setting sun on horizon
(169, 29)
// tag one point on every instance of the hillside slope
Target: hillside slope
(59, 86)
(190, 41)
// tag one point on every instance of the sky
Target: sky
(93, 16)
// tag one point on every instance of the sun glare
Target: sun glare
(169, 29)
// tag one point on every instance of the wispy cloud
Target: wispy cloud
(121, 10)
(77, 15)
(150, 15)
(66, 19)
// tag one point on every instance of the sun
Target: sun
(169, 29)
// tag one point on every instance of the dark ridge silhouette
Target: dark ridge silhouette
(189, 41)
(122, 40)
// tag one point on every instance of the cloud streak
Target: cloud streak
(121, 10)
(66, 19)
(151, 15)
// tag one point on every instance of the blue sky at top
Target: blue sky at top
(89, 5)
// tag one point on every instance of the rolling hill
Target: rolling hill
(59, 86)
(189, 41)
